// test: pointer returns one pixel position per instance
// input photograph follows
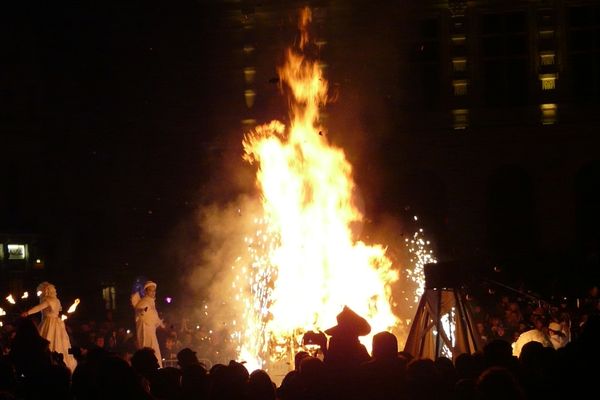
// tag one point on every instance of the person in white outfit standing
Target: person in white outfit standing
(147, 319)
(52, 327)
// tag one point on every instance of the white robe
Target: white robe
(146, 322)
(52, 328)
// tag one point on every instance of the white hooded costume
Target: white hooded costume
(146, 321)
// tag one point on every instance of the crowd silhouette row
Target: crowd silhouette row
(111, 365)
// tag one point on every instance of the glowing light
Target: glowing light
(10, 299)
(39, 293)
(2, 312)
(63, 317)
(128, 331)
(305, 263)
(168, 300)
(449, 327)
(73, 306)
(421, 254)
(25, 295)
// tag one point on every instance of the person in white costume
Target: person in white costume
(52, 327)
(147, 319)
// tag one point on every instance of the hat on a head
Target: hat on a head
(349, 323)
(187, 356)
(149, 284)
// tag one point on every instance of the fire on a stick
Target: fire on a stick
(73, 306)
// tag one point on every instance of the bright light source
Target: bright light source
(10, 299)
(73, 306)
(63, 317)
(168, 300)
(25, 295)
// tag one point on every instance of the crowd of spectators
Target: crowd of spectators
(110, 365)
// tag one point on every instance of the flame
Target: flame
(10, 299)
(306, 262)
(73, 306)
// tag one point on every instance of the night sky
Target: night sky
(108, 122)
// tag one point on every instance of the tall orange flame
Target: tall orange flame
(309, 264)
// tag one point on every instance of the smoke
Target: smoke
(217, 304)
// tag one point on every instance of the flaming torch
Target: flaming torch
(73, 306)
(306, 263)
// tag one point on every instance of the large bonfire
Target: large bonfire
(305, 262)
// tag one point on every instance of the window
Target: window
(459, 64)
(17, 251)
(249, 96)
(548, 81)
(460, 118)
(548, 113)
(249, 73)
(547, 58)
(109, 296)
(460, 87)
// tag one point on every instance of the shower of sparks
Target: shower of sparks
(259, 276)
(420, 254)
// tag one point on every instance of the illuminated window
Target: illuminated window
(249, 96)
(459, 64)
(249, 122)
(109, 296)
(460, 118)
(249, 73)
(459, 40)
(547, 34)
(17, 251)
(547, 58)
(548, 81)
(548, 113)
(460, 87)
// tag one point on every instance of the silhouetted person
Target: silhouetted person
(384, 374)
(345, 354)
(498, 383)
(260, 386)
